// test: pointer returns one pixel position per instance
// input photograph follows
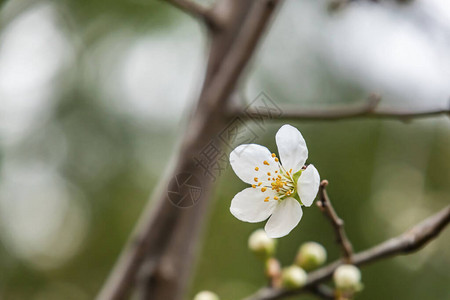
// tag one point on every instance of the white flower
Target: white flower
(347, 278)
(279, 189)
(206, 295)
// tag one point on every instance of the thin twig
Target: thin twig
(326, 207)
(197, 11)
(337, 5)
(410, 241)
(368, 110)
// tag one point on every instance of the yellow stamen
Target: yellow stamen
(263, 189)
(274, 155)
(255, 179)
(266, 163)
(268, 173)
(267, 199)
(276, 171)
(259, 184)
(276, 198)
(253, 186)
(276, 159)
(256, 168)
(290, 171)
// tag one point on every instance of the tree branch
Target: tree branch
(197, 11)
(322, 291)
(161, 250)
(410, 241)
(367, 110)
(326, 207)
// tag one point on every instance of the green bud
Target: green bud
(293, 277)
(311, 255)
(206, 295)
(347, 278)
(260, 244)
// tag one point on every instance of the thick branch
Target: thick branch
(162, 248)
(242, 50)
(322, 291)
(326, 207)
(367, 110)
(410, 241)
(197, 11)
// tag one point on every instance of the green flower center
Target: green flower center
(283, 182)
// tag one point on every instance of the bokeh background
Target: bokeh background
(94, 96)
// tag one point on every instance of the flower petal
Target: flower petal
(286, 216)
(247, 161)
(308, 185)
(291, 147)
(249, 206)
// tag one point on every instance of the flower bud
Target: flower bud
(293, 277)
(311, 255)
(206, 295)
(347, 278)
(260, 244)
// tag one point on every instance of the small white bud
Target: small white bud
(293, 277)
(206, 295)
(261, 244)
(347, 278)
(311, 255)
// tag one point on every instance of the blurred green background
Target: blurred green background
(94, 96)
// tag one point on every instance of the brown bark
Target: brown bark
(162, 247)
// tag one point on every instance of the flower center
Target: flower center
(282, 182)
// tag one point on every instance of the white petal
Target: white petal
(245, 158)
(286, 216)
(249, 206)
(308, 185)
(291, 147)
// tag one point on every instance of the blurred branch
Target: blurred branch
(326, 207)
(322, 291)
(367, 110)
(197, 11)
(161, 250)
(410, 241)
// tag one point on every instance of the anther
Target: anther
(255, 179)
(276, 198)
(267, 199)
(253, 186)
(256, 168)
(274, 155)
(266, 163)
(263, 189)
(276, 159)
(259, 184)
